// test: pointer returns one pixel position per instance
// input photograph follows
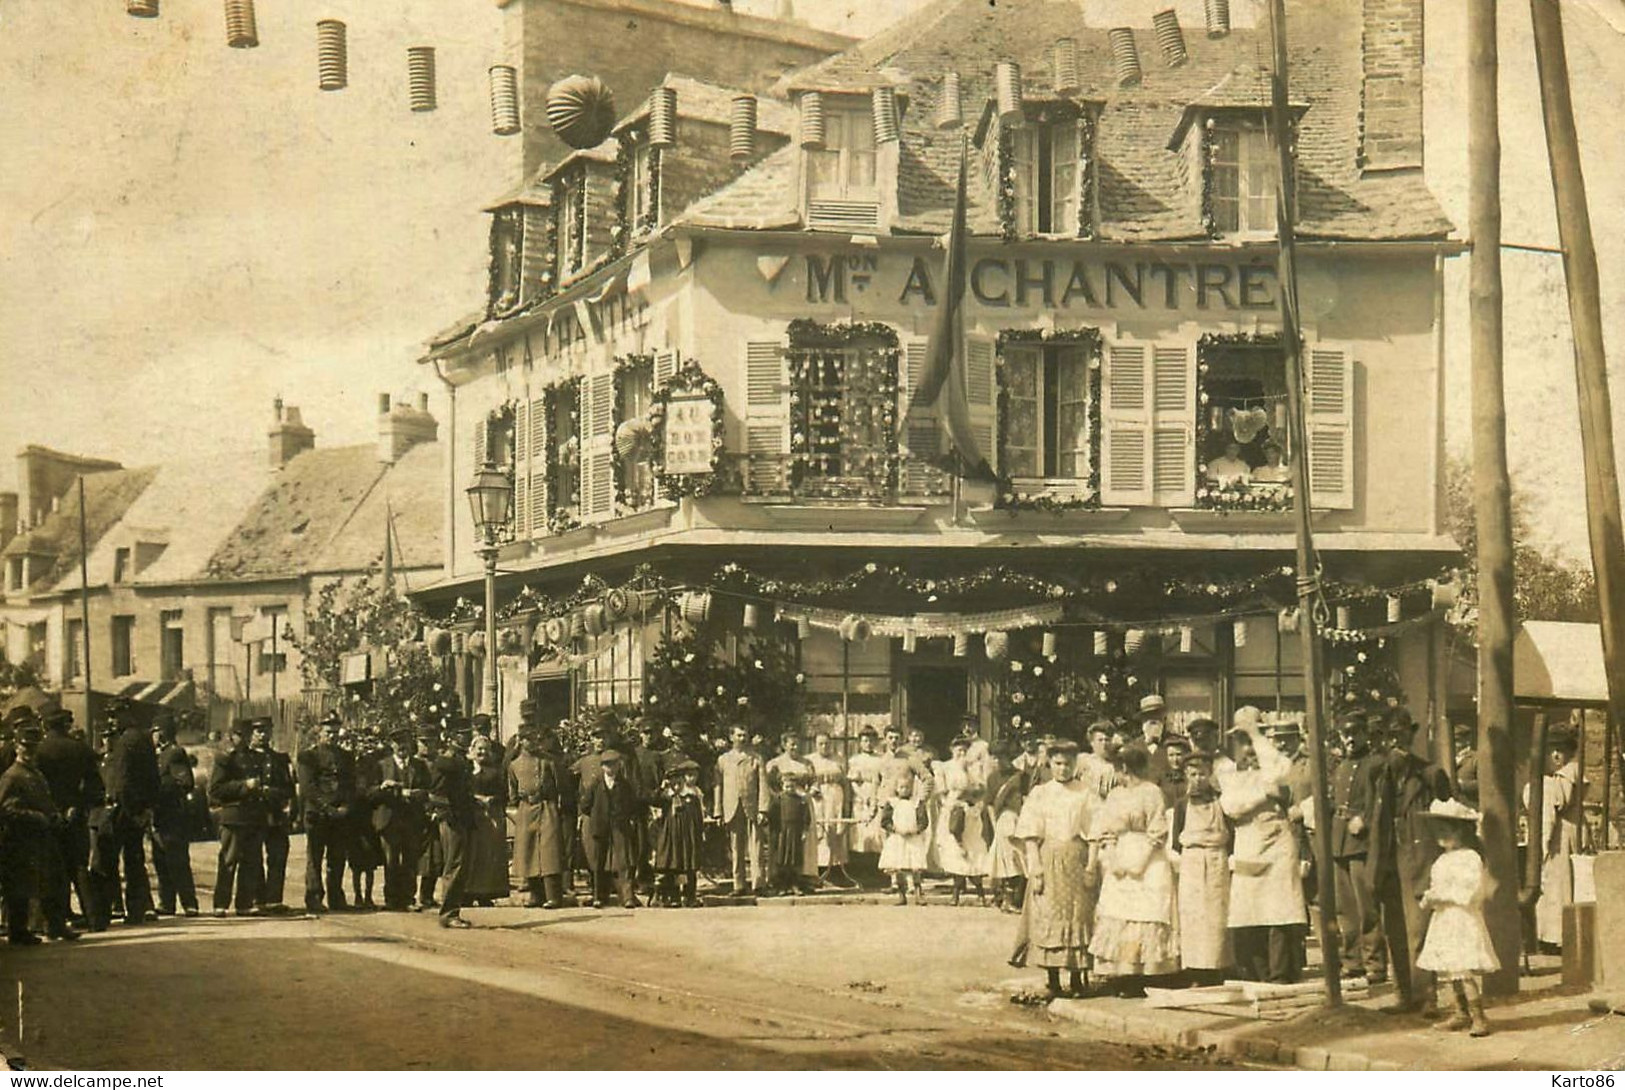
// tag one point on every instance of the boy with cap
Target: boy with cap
(609, 813)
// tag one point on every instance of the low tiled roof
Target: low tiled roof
(1146, 191)
(107, 497)
(411, 494)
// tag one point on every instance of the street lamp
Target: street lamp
(489, 499)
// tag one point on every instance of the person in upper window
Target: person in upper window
(1231, 467)
(1275, 469)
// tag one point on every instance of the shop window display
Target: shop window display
(1244, 451)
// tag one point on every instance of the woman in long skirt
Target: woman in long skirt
(1053, 827)
(1006, 868)
(1267, 912)
(488, 847)
(962, 848)
(1203, 834)
(863, 778)
(1134, 933)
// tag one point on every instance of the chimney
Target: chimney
(44, 476)
(289, 436)
(8, 517)
(1391, 85)
(402, 427)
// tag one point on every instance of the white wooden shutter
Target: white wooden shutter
(1173, 425)
(481, 438)
(981, 396)
(536, 444)
(1330, 421)
(767, 416)
(922, 441)
(665, 368)
(598, 448)
(1126, 426)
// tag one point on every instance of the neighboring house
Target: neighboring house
(200, 569)
(1121, 334)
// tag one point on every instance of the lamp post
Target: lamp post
(489, 498)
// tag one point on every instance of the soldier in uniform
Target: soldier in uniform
(171, 823)
(536, 784)
(31, 865)
(1354, 798)
(397, 791)
(132, 789)
(74, 776)
(327, 791)
(647, 768)
(240, 787)
(452, 802)
(280, 790)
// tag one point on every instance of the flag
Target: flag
(942, 381)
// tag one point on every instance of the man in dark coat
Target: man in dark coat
(171, 823)
(647, 768)
(132, 788)
(609, 813)
(455, 810)
(1404, 852)
(431, 856)
(279, 796)
(535, 783)
(31, 864)
(240, 787)
(397, 790)
(1354, 800)
(327, 792)
(74, 776)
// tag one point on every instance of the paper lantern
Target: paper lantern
(742, 128)
(1125, 58)
(997, 645)
(1050, 646)
(961, 644)
(1444, 594)
(617, 604)
(142, 9)
(632, 438)
(1170, 39)
(1066, 66)
(592, 619)
(241, 31)
(1133, 640)
(557, 629)
(504, 99)
(884, 108)
(1007, 88)
(459, 642)
(695, 606)
(803, 629)
(1343, 617)
(580, 111)
(332, 55)
(812, 120)
(1238, 632)
(438, 641)
(752, 615)
(1287, 620)
(420, 84)
(1218, 18)
(1394, 608)
(1187, 639)
(476, 643)
(950, 115)
(910, 642)
(1102, 642)
(663, 117)
(855, 629)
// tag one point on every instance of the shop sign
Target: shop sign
(688, 434)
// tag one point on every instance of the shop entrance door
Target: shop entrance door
(552, 698)
(936, 703)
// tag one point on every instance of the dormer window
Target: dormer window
(842, 193)
(642, 182)
(1241, 171)
(507, 245)
(1046, 167)
(572, 239)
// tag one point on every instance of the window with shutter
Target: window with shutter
(1047, 441)
(665, 367)
(598, 448)
(636, 484)
(980, 351)
(922, 440)
(840, 175)
(1126, 421)
(1046, 172)
(767, 418)
(1330, 421)
(1173, 427)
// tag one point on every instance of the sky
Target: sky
(197, 230)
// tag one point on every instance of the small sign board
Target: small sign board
(356, 669)
(688, 434)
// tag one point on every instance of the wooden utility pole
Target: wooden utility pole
(92, 729)
(1310, 602)
(1590, 357)
(1492, 498)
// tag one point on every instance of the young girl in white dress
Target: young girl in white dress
(1458, 948)
(907, 838)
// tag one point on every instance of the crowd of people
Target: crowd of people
(1142, 856)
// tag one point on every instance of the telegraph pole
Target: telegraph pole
(92, 731)
(1492, 498)
(1308, 569)
(1590, 357)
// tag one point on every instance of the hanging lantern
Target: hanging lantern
(332, 55)
(855, 629)
(742, 128)
(1394, 609)
(1007, 87)
(420, 85)
(476, 643)
(1170, 38)
(910, 642)
(812, 119)
(1049, 646)
(1066, 67)
(504, 99)
(1125, 58)
(539, 635)
(1287, 620)
(557, 630)
(1238, 632)
(1133, 640)
(580, 111)
(1218, 18)
(142, 9)
(752, 615)
(1103, 644)
(578, 625)
(1444, 594)
(1343, 617)
(241, 32)
(617, 604)
(438, 640)
(1187, 639)
(459, 642)
(950, 115)
(997, 645)
(803, 629)
(592, 619)
(695, 606)
(663, 117)
(961, 644)
(884, 107)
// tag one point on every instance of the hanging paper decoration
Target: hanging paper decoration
(855, 629)
(241, 31)
(1187, 639)
(633, 438)
(1218, 18)
(1066, 66)
(910, 642)
(142, 9)
(812, 119)
(617, 604)
(695, 606)
(752, 615)
(1170, 38)
(1007, 85)
(803, 629)
(332, 55)
(1343, 617)
(1133, 640)
(1049, 646)
(950, 115)
(459, 642)
(1245, 424)
(504, 99)
(1125, 57)
(438, 640)
(1394, 609)
(1444, 594)
(476, 643)
(1102, 642)
(592, 619)
(1239, 632)
(1287, 620)
(580, 111)
(884, 106)
(420, 82)
(742, 128)
(557, 629)
(961, 644)
(663, 117)
(997, 645)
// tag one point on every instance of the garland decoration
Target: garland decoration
(842, 387)
(1362, 676)
(634, 439)
(563, 478)
(507, 235)
(1088, 175)
(1210, 143)
(688, 380)
(1007, 184)
(1007, 496)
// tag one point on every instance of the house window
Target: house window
(1241, 179)
(507, 246)
(564, 453)
(572, 241)
(1046, 172)
(121, 565)
(612, 671)
(643, 209)
(842, 418)
(1047, 430)
(222, 660)
(123, 646)
(74, 658)
(15, 573)
(1244, 446)
(841, 185)
(172, 645)
(636, 394)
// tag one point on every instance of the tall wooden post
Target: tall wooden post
(1492, 497)
(1590, 357)
(92, 727)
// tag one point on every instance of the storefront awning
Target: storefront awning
(1560, 663)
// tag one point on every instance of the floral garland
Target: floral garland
(1088, 178)
(651, 210)
(621, 232)
(689, 379)
(574, 185)
(1230, 496)
(550, 252)
(1362, 677)
(563, 487)
(1007, 498)
(1007, 185)
(507, 227)
(1088, 175)
(806, 337)
(1210, 144)
(624, 366)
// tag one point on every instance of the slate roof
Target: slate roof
(712, 102)
(411, 494)
(1147, 192)
(108, 496)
